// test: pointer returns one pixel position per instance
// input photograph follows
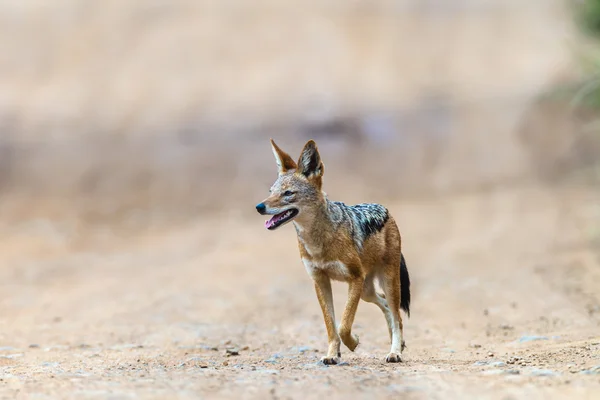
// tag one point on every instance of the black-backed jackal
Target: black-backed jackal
(354, 244)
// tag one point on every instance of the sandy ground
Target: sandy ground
(506, 304)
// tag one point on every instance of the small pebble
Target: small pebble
(11, 356)
(542, 372)
(531, 338)
(232, 352)
(592, 371)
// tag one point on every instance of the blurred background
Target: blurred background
(149, 112)
(134, 147)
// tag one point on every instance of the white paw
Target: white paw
(393, 358)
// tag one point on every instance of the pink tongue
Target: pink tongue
(269, 223)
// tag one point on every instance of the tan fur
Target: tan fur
(331, 254)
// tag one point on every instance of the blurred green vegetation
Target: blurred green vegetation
(588, 16)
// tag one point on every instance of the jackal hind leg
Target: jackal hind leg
(390, 279)
(370, 295)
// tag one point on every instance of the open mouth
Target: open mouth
(279, 219)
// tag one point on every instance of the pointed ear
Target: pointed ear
(283, 159)
(309, 163)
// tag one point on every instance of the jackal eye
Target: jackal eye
(288, 193)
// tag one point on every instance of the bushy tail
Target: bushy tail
(404, 287)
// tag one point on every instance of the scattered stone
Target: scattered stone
(58, 347)
(493, 372)
(531, 338)
(542, 372)
(268, 371)
(225, 363)
(34, 346)
(486, 312)
(507, 327)
(302, 349)
(501, 372)
(232, 352)
(127, 346)
(476, 346)
(50, 365)
(11, 356)
(245, 348)
(199, 347)
(274, 358)
(592, 371)
(194, 360)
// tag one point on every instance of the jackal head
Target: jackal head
(297, 189)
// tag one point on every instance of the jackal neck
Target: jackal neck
(315, 229)
(315, 220)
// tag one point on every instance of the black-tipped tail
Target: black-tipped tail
(404, 287)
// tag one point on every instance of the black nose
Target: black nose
(261, 208)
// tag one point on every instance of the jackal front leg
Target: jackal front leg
(325, 296)
(355, 288)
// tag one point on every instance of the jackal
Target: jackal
(355, 244)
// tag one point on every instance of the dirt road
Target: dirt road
(506, 304)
